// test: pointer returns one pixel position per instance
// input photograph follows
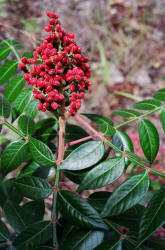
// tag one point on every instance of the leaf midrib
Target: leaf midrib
(11, 161)
(119, 201)
(6, 72)
(82, 215)
(14, 87)
(96, 177)
(34, 236)
(154, 216)
(42, 153)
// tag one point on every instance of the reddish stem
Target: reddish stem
(60, 149)
(78, 141)
(98, 134)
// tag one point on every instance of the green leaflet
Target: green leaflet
(153, 217)
(26, 124)
(13, 155)
(149, 104)
(78, 211)
(126, 195)
(82, 240)
(14, 88)
(21, 102)
(4, 107)
(4, 53)
(35, 235)
(7, 70)
(41, 153)
(84, 156)
(126, 113)
(149, 139)
(103, 174)
(33, 187)
(105, 124)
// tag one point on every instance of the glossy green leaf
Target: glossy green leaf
(160, 95)
(4, 107)
(111, 244)
(83, 240)
(162, 118)
(149, 139)
(7, 70)
(14, 216)
(36, 210)
(78, 211)
(84, 156)
(4, 233)
(31, 109)
(149, 104)
(105, 124)
(13, 155)
(9, 192)
(44, 129)
(146, 197)
(123, 142)
(29, 169)
(155, 185)
(136, 158)
(14, 88)
(27, 54)
(130, 219)
(126, 113)
(11, 43)
(4, 53)
(21, 102)
(74, 132)
(154, 216)
(75, 176)
(33, 187)
(26, 124)
(98, 199)
(35, 235)
(154, 243)
(103, 174)
(48, 135)
(41, 153)
(126, 195)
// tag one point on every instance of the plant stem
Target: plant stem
(100, 135)
(139, 117)
(133, 97)
(14, 51)
(54, 215)
(78, 141)
(11, 127)
(118, 232)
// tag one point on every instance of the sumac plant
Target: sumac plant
(41, 148)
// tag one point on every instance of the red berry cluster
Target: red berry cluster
(58, 71)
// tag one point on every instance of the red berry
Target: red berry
(26, 76)
(24, 60)
(51, 21)
(71, 35)
(54, 105)
(47, 28)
